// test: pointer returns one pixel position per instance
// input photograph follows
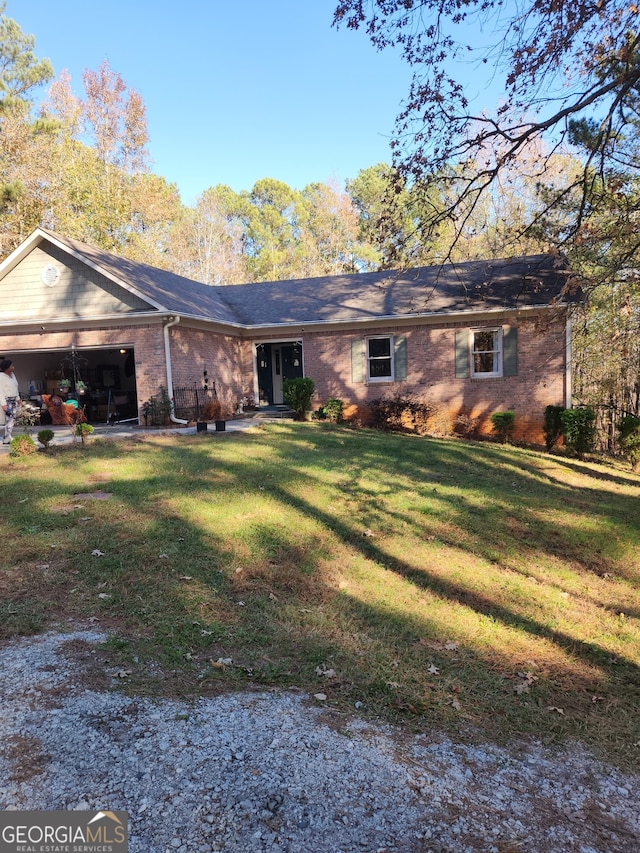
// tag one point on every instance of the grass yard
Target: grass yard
(484, 590)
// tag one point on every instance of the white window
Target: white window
(380, 359)
(486, 352)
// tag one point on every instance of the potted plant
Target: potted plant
(81, 387)
(64, 385)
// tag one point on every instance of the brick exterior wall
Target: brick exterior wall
(431, 375)
(228, 361)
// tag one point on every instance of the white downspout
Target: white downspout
(167, 360)
(568, 355)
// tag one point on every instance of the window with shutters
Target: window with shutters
(486, 355)
(380, 359)
(483, 353)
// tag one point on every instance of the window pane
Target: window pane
(380, 367)
(485, 362)
(484, 341)
(485, 352)
(379, 347)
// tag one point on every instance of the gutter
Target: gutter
(167, 360)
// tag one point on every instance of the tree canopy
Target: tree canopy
(570, 72)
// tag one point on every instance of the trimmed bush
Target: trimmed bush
(552, 425)
(503, 424)
(297, 395)
(578, 426)
(45, 437)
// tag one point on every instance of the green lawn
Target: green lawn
(485, 590)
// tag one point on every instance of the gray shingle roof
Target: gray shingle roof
(531, 281)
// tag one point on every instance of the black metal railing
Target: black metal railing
(189, 401)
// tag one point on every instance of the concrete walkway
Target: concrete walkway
(65, 435)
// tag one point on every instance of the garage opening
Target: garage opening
(102, 382)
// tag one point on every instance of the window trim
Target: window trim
(391, 357)
(499, 351)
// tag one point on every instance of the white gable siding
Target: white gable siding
(79, 292)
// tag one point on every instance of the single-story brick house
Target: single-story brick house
(470, 338)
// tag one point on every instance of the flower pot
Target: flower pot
(221, 426)
(201, 426)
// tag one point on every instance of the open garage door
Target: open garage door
(101, 380)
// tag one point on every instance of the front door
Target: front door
(277, 362)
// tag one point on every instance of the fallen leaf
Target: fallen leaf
(451, 647)
(225, 661)
(240, 603)
(96, 553)
(553, 708)
(123, 673)
(273, 597)
(456, 704)
(433, 670)
(321, 697)
(43, 566)
(103, 595)
(328, 673)
(595, 699)
(521, 687)
(185, 578)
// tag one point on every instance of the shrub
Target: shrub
(552, 425)
(578, 426)
(45, 437)
(22, 445)
(400, 414)
(333, 410)
(465, 425)
(297, 395)
(503, 424)
(211, 411)
(629, 439)
(158, 408)
(84, 431)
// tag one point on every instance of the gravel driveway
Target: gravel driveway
(273, 771)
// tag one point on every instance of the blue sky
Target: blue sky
(234, 92)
